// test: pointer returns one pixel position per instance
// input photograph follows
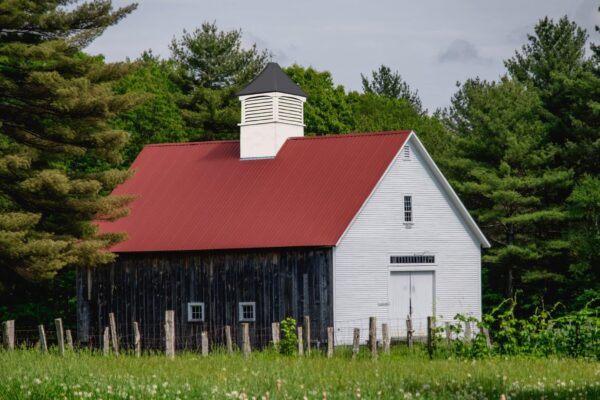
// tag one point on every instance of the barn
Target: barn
(278, 224)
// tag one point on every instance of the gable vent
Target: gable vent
(290, 110)
(258, 109)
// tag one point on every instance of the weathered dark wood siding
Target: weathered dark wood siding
(141, 286)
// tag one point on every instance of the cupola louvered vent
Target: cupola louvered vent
(290, 110)
(258, 109)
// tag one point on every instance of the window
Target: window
(412, 259)
(408, 217)
(247, 311)
(195, 312)
(406, 152)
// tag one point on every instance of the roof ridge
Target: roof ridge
(326, 136)
(357, 134)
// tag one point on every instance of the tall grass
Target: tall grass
(26, 374)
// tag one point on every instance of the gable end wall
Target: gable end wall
(361, 259)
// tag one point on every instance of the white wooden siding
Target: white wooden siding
(362, 257)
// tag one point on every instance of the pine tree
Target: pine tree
(213, 65)
(390, 84)
(501, 170)
(55, 105)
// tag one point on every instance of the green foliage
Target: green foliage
(55, 106)
(390, 84)
(212, 65)
(289, 339)
(326, 110)
(158, 119)
(571, 334)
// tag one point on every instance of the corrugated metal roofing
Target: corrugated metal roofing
(201, 196)
(272, 79)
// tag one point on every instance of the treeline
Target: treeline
(523, 152)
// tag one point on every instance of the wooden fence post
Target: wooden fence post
(385, 335)
(275, 333)
(8, 334)
(468, 334)
(105, 340)
(430, 333)
(448, 332)
(329, 342)
(113, 333)
(307, 333)
(246, 339)
(170, 334)
(43, 343)
(373, 336)
(300, 344)
(69, 339)
(486, 333)
(228, 340)
(60, 335)
(204, 342)
(137, 340)
(409, 332)
(355, 342)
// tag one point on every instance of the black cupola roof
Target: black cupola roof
(272, 79)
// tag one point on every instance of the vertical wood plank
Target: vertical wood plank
(430, 333)
(355, 342)
(113, 333)
(385, 334)
(373, 336)
(43, 342)
(204, 343)
(69, 339)
(8, 334)
(170, 334)
(60, 335)
(409, 332)
(105, 342)
(307, 333)
(329, 342)
(228, 340)
(246, 349)
(275, 334)
(137, 339)
(300, 344)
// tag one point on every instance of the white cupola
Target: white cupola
(272, 111)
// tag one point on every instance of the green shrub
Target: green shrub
(289, 339)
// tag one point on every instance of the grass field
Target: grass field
(26, 374)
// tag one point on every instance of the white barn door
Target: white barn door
(411, 293)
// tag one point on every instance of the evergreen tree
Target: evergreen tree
(554, 63)
(213, 65)
(55, 104)
(390, 84)
(501, 169)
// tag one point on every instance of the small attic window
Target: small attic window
(406, 152)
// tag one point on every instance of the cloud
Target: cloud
(461, 50)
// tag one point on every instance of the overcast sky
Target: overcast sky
(432, 43)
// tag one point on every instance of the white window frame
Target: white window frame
(412, 209)
(190, 313)
(241, 306)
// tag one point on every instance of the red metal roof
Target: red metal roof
(201, 196)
